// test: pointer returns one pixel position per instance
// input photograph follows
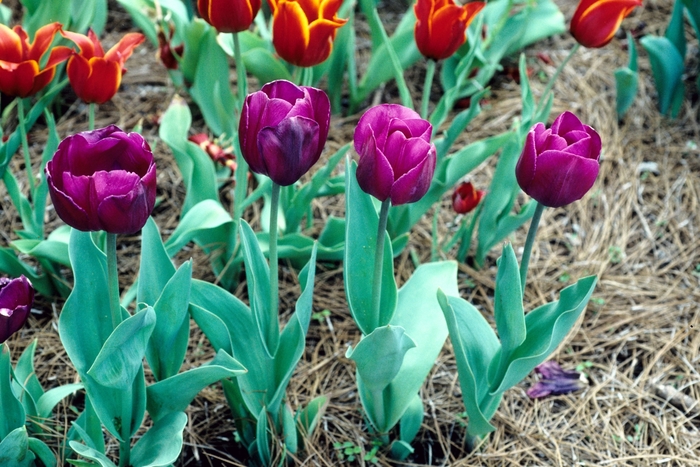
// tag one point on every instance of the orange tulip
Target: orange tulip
(20, 72)
(94, 75)
(441, 26)
(595, 22)
(229, 15)
(303, 30)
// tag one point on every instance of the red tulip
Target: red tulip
(229, 15)
(94, 75)
(595, 22)
(20, 72)
(441, 26)
(465, 198)
(303, 30)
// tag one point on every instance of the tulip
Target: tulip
(283, 129)
(103, 180)
(229, 15)
(21, 74)
(214, 151)
(559, 165)
(303, 31)
(595, 22)
(465, 198)
(397, 159)
(94, 75)
(555, 381)
(441, 26)
(16, 299)
(167, 54)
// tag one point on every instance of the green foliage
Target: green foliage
(626, 80)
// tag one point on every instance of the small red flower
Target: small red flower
(441, 26)
(213, 150)
(167, 54)
(595, 22)
(466, 198)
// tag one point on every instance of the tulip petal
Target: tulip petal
(85, 45)
(321, 105)
(527, 163)
(10, 45)
(565, 123)
(17, 79)
(595, 22)
(66, 208)
(290, 32)
(376, 121)
(562, 178)
(289, 150)
(374, 173)
(123, 49)
(119, 196)
(414, 184)
(103, 81)
(42, 41)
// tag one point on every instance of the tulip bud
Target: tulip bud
(103, 180)
(283, 130)
(595, 22)
(229, 15)
(441, 26)
(397, 159)
(16, 299)
(465, 198)
(559, 165)
(555, 381)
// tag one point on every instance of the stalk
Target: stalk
(113, 280)
(429, 76)
(25, 146)
(379, 262)
(274, 267)
(242, 90)
(91, 116)
(524, 264)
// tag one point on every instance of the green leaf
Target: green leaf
(309, 416)
(667, 68)
(411, 419)
(14, 267)
(289, 430)
(177, 392)
(525, 92)
(263, 64)
(25, 382)
(675, 31)
(161, 444)
(626, 82)
(205, 215)
(547, 326)
(91, 454)
(361, 225)
(379, 356)
(42, 452)
(155, 268)
(213, 327)
(12, 415)
(168, 344)
(46, 403)
(14, 448)
(263, 438)
(121, 357)
(54, 251)
(475, 346)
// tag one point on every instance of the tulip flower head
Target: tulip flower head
(441, 26)
(466, 198)
(303, 30)
(397, 159)
(21, 74)
(167, 54)
(595, 22)
(229, 15)
(16, 299)
(94, 75)
(560, 164)
(103, 180)
(283, 130)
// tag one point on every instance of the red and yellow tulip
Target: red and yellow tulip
(441, 26)
(94, 75)
(229, 15)
(303, 30)
(20, 72)
(595, 22)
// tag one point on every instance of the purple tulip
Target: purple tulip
(16, 299)
(397, 159)
(103, 180)
(283, 130)
(558, 166)
(555, 381)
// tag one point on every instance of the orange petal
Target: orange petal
(58, 54)
(17, 79)
(10, 45)
(87, 49)
(42, 79)
(42, 41)
(321, 35)
(123, 49)
(99, 51)
(103, 82)
(290, 32)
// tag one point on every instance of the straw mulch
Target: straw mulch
(637, 230)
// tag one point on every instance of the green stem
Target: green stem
(274, 267)
(378, 263)
(113, 280)
(91, 116)
(25, 146)
(524, 264)
(552, 80)
(429, 75)
(434, 241)
(467, 236)
(242, 90)
(307, 76)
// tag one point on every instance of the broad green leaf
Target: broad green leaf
(177, 392)
(379, 356)
(675, 31)
(155, 268)
(626, 82)
(51, 250)
(161, 444)
(262, 435)
(361, 225)
(213, 327)
(168, 344)
(289, 430)
(14, 267)
(547, 326)
(121, 357)
(91, 454)
(46, 403)
(25, 382)
(48, 12)
(400, 450)
(475, 346)
(42, 452)
(205, 215)
(667, 68)
(309, 416)
(411, 419)
(14, 448)
(265, 66)
(12, 415)
(457, 126)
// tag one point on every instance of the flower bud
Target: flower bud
(595, 22)
(441, 26)
(397, 159)
(16, 299)
(466, 198)
(559, 165)
(283, 130)
(229, 15)
(103, 180)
